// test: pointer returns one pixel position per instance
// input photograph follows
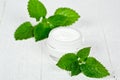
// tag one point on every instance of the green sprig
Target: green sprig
(37, 10)
(81, 62)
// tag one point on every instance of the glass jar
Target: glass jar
(62, 40)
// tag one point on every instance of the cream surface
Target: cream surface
(65, 34)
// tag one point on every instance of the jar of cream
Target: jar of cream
(62, 40)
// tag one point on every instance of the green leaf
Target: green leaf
(57, 20)
(36, 9)
(24, 31)
(41, 31)
(94, 69)
(75, 69)
(83, 53)
(66, 61)
(72, 15)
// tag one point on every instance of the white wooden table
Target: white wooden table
(99, 24)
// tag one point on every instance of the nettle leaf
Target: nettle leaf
(94, 69)
(75, 69)
(24, 31)
(57, 20)
(83, 53)
(41, 31)
(36, 9)
(66, 61)
(72, 15)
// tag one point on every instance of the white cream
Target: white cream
(65, 34)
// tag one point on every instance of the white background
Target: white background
(99, 23)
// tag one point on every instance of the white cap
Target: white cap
(65, 39)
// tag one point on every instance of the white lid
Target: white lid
(65, 39)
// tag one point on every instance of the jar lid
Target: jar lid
(65, 39)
